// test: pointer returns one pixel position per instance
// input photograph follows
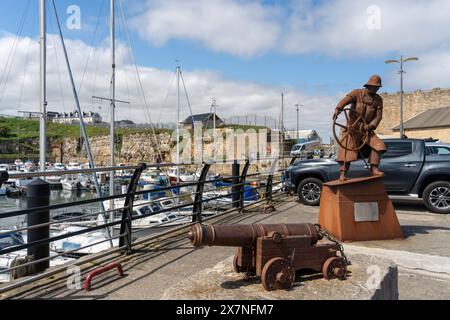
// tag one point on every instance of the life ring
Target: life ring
(269, 149)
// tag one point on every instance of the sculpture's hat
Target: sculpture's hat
(374, 81)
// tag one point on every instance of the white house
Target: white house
(73, 118)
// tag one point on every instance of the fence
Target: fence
(253, 120)
(224, 194)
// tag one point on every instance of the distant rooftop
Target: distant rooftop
(434, 118)
(198, 117)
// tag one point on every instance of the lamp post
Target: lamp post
(298, 108)
(401, 62)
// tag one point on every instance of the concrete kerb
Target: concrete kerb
(408, 260)
(222, 283)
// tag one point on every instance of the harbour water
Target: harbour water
(56, 197)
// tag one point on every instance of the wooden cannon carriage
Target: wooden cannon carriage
(275, 252)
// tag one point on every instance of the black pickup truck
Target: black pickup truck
(410, 170)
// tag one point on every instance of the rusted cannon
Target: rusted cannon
(275, 252)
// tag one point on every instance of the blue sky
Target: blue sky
(252, 50)
(312, 72)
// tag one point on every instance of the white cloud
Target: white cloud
(233, 97)
(430, 71)
(244, 28)
(340, 27)
(335, 27)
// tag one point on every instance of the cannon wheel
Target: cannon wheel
(278, 274)
(350, 128)
(334, 267)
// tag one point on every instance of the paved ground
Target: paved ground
(165, 262)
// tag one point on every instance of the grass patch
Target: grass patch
(26, 129)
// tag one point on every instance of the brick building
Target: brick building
(415, 104)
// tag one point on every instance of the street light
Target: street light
(298, 108)
(401, 61)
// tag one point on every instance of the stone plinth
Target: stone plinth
(371, 278)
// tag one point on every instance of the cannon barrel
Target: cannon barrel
(246, 235)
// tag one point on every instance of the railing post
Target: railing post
(269, 188)
(38, 195)
(198, 203)
(127, 214)
(269, 206)
(242, 185)
(235, 172)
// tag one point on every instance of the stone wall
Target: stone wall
(131, 149)
(138, 148)
(414, 103)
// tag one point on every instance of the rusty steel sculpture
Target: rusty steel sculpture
(359, 209)
(358, 139)
(275, 252)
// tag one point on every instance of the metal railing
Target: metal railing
(235, 193)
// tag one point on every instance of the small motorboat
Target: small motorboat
(71, 183)
(83, 244)
(10, 239)
(180, 174)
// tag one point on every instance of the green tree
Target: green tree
(4, 131)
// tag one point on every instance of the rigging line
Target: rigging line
(77, 102)
(24, 73)
(58, 69)
(121, 73)
(19, 31)
(129, 54)
(125, 70)
(139, 77)
(91, 46)
(13, 51)
(187, 96)
(171, 81)
(94, 83)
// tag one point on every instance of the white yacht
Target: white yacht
(9, 260)
(71, 183)
(144, 208)
(59, 167)
(181, 174)
(88, 243)
(155, 177)
(73, 166)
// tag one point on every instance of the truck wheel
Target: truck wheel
(309, 191)
(436, 197)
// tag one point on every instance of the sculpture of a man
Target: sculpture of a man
(370, 105)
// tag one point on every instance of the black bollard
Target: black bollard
(235, 172)
(38, 195)
(4, 176)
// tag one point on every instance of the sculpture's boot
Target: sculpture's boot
(374, 160)
(343, 170)
(374, 171)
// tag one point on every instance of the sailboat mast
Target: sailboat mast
(282, 125)
(178, 125)
(113, 92)
(43, 83)
(214, 130)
